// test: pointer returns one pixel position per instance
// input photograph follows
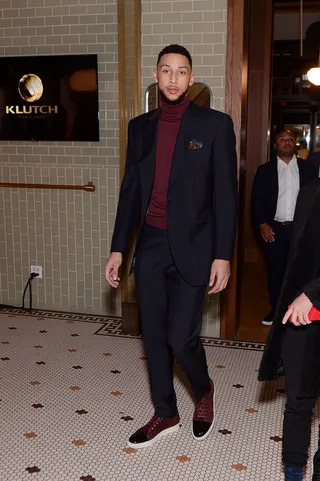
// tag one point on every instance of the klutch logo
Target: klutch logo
(30, 89)
(32, 109)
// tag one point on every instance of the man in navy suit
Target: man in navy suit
(274, 195)
(181, 181)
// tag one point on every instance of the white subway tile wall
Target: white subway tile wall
(199, 25)
(69, 233)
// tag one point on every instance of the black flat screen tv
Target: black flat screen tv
(49, 98)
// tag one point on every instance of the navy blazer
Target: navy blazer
(314, 159)
(202, 193)
(265, 189)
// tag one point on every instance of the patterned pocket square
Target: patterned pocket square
(195, 144)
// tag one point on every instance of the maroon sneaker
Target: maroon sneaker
(154, 430)
(203, 417)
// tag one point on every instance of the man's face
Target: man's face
(285, 144)
(174, 76)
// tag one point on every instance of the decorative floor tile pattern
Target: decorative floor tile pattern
(71, 394)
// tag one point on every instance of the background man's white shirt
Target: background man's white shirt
(289, 186)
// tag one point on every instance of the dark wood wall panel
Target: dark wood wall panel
(235, 106)
(253, 296)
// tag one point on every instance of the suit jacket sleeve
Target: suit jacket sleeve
(129, 199)
(312, 290)
(260, 216)
(225, 189)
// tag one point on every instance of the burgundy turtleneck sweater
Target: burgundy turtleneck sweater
(168, 128)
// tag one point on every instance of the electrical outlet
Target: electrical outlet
(36, 270)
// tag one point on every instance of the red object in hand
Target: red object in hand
(314, 314)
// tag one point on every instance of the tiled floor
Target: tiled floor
(72, 390)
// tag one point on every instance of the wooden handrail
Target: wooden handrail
(89, 187)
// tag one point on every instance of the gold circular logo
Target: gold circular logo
(30, 87)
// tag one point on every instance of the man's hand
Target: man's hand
(299, 311)
(219, 276)
(266, 232)
(112, 269)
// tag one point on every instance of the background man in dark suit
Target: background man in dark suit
(181, 178)
(293, 347)
(314, 159)
(274, 195)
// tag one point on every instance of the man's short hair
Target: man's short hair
(282, 131)
(174, 48)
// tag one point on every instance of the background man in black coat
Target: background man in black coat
(294, 346)
(274, 195)
(181, 178)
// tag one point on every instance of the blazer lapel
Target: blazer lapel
(181, 145)
(304, 173)
(274, 183)
(147, 161)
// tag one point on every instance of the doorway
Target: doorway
(278, 95)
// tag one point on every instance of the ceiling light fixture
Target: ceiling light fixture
(314, 73)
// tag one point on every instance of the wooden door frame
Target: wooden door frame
(235, 106)
(129, 108)
(238, 75)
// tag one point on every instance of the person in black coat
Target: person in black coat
(274, 193)
(293, 345)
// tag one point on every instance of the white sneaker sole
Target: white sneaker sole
(267, 323)
(150, 443)
(214, 418)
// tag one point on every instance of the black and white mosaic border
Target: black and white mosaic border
(111, 326)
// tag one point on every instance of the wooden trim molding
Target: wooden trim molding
(129, 68)
(236, 85)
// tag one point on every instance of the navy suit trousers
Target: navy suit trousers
(171, 316)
